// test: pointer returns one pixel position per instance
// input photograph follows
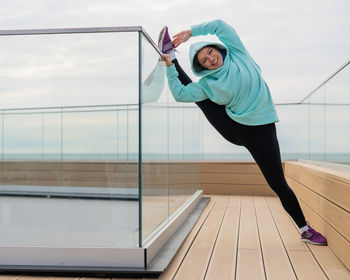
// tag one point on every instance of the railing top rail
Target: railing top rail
(81, 30)
(151, 41)
(325, 81)
(70, 30)
(68, 107)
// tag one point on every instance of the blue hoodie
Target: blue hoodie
(237, 84)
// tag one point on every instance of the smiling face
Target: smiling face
(210, 58)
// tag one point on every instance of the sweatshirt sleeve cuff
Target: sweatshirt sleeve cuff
(195, 30)
(171, 71)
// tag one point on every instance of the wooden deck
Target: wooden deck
(245, 237)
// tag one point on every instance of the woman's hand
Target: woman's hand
(181, 37)
(167, 59)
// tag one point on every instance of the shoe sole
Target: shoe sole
(314, 243)
(161, 38)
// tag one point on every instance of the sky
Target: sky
(298, 43)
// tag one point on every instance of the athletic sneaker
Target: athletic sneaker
(164, 41)
(313, 237)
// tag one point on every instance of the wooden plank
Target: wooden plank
(289, 234)
(305, 266)
(152, 219)
(57, 183)
(68, 175)
(277, 265)
(127, 278)
(225, 178)
(326, 182)
(223, 261)
(330, 212)
(106, 184)
(233, 189)
(250, 265)
(69, 165)
(337, 243)
(229, 167)
(184, 178)
(174, 265)
(248, 230)
(329, 263)
(235, 201)
(99, 175)
(341, 175)
(10, 277)
(175, 201)
(197, 259)
(69, 278)
(184, 167)
(25, 277)
(149, 167)
(101, 166)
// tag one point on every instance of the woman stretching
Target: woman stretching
(236, 100)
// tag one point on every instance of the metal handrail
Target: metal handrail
(325, 81)
(70, 107)
(69, 30)
(81, 30)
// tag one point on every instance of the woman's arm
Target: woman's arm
(192, 92)
(220, 28)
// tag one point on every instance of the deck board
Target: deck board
(306, 266)
(248, 230)
(276, 262)
(244, 238)
(287, 230)
(249, 265)
(223, 261)
(197, 259)
(171, 270)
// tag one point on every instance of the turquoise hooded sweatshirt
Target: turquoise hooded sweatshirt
(237, 84)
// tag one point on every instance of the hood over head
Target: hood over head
(197, 69)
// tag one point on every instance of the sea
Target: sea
(339, 158)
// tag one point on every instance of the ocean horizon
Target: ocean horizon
(342, 158)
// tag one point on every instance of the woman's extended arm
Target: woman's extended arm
(192, 92)
(220, 28)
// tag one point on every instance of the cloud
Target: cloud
(297, 43)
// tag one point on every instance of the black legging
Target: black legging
(261, 141)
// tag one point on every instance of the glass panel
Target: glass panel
(317, 125)
(170, 146)
(70, 155)
(155, 141)
(337, 88)
(68, 70)
(190, 177)
(337, 117)
(216, 147)
(292, 131)
(338, 133)
(176, 156)
(52, 140)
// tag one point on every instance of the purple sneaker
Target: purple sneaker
(313, 237)
(164, 41)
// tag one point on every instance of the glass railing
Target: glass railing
(95, 153)
(170, 146)
(317, 128)
(70, 155)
